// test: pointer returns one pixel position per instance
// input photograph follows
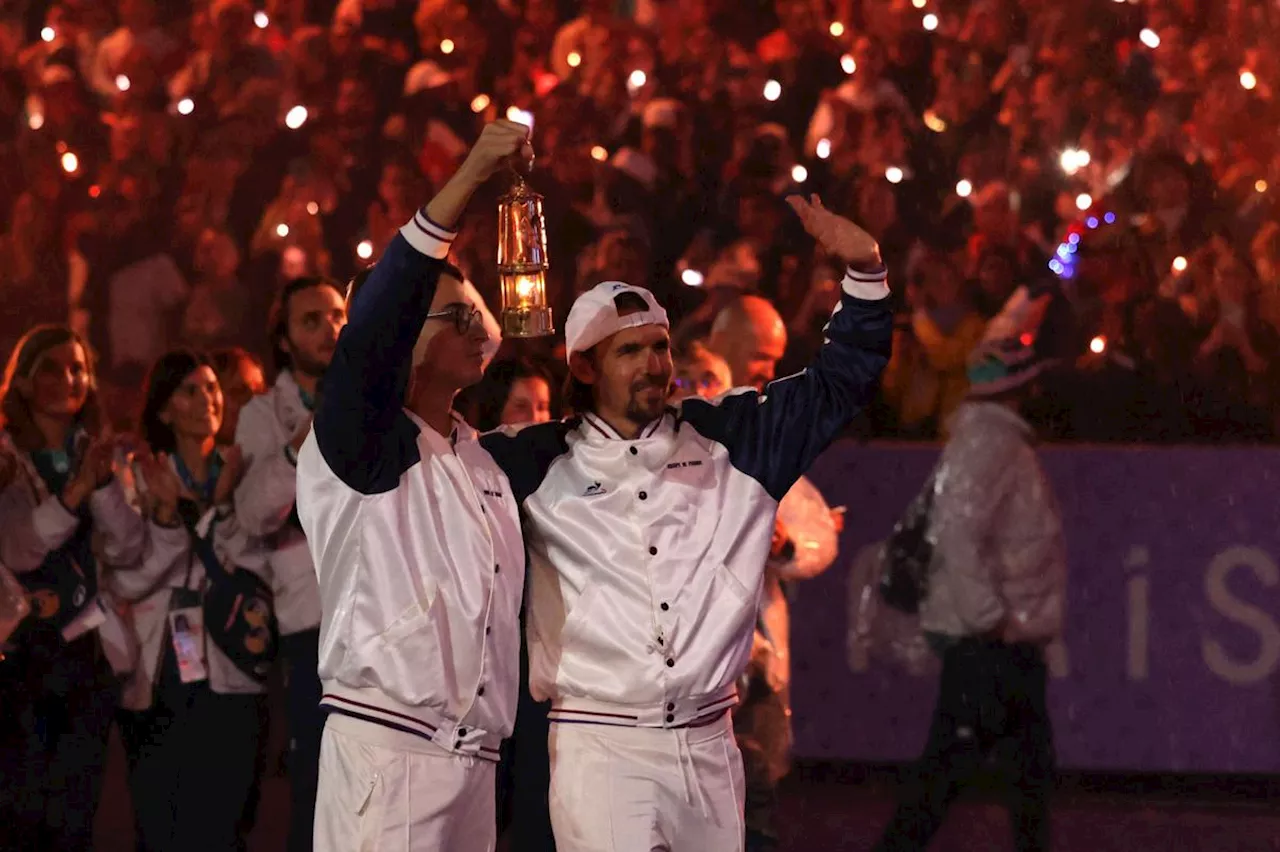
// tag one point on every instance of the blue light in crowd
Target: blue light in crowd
(1092, 222)
(1056, 266)
(1073, 248)
(1073, 239)
(1110, 218)
(1068, 272)
(1064, 251)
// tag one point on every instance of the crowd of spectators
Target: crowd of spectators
(165, 165)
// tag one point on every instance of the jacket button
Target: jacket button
(664, 606)
(488, 630)
(644, 495)
(480, 691)
(462, 732)
(670, 662)
(653, 551)
(671, 705)
(634, 451)
(497, 568)
(670, 718)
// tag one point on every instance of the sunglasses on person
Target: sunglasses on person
(463, 316)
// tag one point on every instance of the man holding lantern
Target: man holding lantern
(416, 541)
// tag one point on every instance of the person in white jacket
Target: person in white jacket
(416, 541)
(306, 319)
(192, 718)
(649, 527)
(65, 530)
(751, 337)
(996, 593)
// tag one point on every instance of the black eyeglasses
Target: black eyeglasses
(463, 316)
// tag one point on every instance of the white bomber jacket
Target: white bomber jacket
(414, 535)
(647, 555)
(265, 501)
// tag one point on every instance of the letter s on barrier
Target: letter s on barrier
(1220, 598)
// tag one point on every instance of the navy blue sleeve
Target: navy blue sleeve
(526, 454)
(360, 426)
(774, 437)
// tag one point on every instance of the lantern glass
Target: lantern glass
(522, 263)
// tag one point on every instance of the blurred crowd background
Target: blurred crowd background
(165, 166)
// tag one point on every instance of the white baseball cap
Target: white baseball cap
(594, 315)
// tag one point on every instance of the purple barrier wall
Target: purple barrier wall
(1172, 656)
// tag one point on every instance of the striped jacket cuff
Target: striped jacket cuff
(428, 237)
(868, 285)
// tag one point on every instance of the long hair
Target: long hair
(15, 410)
(278, 320)
(162, 382)
(487, 398)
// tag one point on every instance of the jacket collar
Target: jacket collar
(596, 429)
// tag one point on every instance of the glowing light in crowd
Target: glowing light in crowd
(1064, 251)
(1092, 222)
(964, 189)
(1074, 159)
(799, 174)
(1149, 37)
(364, 250)
(260, 20)
(296, 117)
(1084, 201)
(692, 277)
(1260, 186)
(772, 90)
(479, 103)
(1110, 218)
(36, 120)
(599, 153)
(95, 191)
(122, 83)
(520, 116)
(70, 163)
(313, 208)
(282, 230)
(848, 64)
(446, 46)
(893, 174)
(1249, 80)
(919, 4)
(836, 29)
(934, 122)
(637, 79)
(823, 149)
(930, 22)
(186, 106)
(1056, 266)
(574, 59)
(1179, 264)
(1073, 239)
(1098, 345)
(47, 34)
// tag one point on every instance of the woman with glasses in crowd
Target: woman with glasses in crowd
(192, 724)
(65, 526)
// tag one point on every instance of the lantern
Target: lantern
(522, 263)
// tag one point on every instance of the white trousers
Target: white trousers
(380, 793)
(616, 789)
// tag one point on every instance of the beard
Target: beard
(648, 399)
(309, 366)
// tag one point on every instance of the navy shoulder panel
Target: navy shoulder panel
(526, 453)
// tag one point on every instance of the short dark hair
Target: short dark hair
(486, 399)
(358, 280)
(168, 373)
(278, 320)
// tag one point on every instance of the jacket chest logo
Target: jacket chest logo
(595, 489)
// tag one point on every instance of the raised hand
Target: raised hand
(498, 142)
(163, 487)
(94, 471)
(836, 234)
